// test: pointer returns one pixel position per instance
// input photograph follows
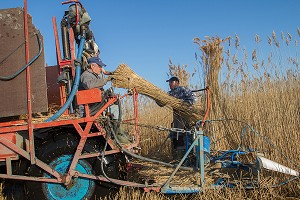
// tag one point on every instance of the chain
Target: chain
(160, 128)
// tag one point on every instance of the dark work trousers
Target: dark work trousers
(178, 139)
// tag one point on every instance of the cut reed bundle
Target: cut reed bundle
(124, 77)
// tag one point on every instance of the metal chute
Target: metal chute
(274, 166)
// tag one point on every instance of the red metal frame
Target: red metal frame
(28, 82)
(62, 64)
(207, 105)
(9, 143)
(8, 129)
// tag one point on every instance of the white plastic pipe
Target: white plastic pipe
(274, 166)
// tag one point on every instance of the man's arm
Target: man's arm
(187, 95)
(89, 80)
(97, 83)
(106, 72)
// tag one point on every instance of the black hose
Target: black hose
(102, 159)
(117, 126)
(8, 78)
(114, 129)
(102, 162)
(146, 159)
(105, 146)
(141, 157)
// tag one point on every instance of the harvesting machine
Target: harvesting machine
(66, 156)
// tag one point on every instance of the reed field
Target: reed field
(257, 92)
(255, 103)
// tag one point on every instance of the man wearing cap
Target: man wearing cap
(179, 140)
(180, 92)
(93, 77)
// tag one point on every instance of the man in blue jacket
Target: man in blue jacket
(179, 139)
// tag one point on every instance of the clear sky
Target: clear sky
(145, 34)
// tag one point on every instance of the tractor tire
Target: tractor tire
(58, 153)
(15, 189)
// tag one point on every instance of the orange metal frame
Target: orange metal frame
(9, 150)
(8, 129)
(8, 133)
(62, 64)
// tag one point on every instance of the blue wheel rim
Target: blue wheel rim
(82, 188)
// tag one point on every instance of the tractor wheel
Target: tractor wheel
(15, 189)
(58, 154)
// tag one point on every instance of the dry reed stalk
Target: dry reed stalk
(160, 174)
(180, 72)
(212, 54)
(126, 78)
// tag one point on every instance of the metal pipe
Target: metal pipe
(167, 184)
(207, 106)
(65, 40)
(28, 83)
(201, 163)
(75, 85)
(135, 101)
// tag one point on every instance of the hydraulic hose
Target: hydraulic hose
(113, 131)
(102, 162)
(7, 78)
(137, 156)
(144, 158)
(75, 85)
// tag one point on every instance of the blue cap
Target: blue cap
(97, 61)
(173, 79)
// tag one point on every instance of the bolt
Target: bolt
(67, 180)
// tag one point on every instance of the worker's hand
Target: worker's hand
(110, 78)
(107, 72)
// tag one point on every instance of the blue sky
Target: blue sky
(145, 34)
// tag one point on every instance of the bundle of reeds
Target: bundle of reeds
(124, 77)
